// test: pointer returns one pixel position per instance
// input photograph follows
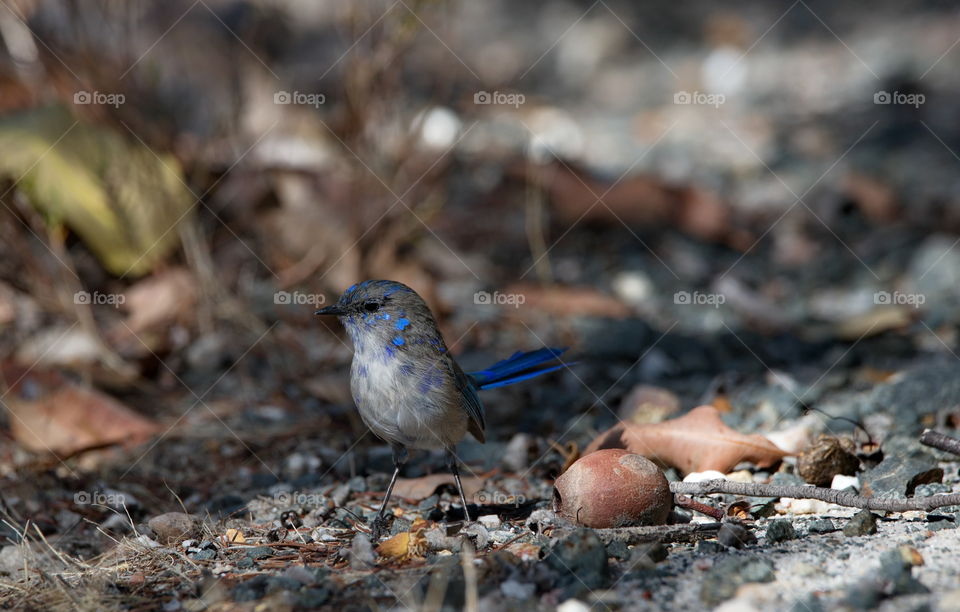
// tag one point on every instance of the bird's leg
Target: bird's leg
(452, 463)
(381, 525)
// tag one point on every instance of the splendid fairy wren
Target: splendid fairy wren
(407, 387)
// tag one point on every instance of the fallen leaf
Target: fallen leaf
(120, 197)
(425, 486)
(404, 546)
(880, 319)
(563, 301)
(233, 536)
(695, 442)
(161, 299)
(48, 413)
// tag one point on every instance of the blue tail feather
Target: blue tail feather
(516, 368)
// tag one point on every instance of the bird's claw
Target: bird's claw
(379, 527)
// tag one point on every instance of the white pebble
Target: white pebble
(841, 482)
(490, 521)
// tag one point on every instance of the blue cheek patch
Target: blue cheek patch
(389, 352)
(406, 369)
(402, 323)
(399, 341)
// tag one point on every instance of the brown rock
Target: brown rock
(828, 457)
(173, 527)
(613, 488)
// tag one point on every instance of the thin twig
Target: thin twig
(685, 501)
(940, 441)
(842, 498)
(687, 532)
(471, 596)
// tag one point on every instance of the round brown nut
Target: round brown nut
(613, 488)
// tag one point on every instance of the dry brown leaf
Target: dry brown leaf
(425, 486)
(880, 319)
(48, 413)
(404, 546)
(563, 301)
(160, 299)
(695, 442)
(233, 536)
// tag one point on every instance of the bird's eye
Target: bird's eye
(371, 306)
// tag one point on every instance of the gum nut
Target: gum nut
(613, 488)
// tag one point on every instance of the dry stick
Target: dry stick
(940, 441)
(832, 496)
(685, 501)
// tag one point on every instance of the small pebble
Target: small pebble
(735, 535)
(517, 590)
(821, 526)
(490, 521)
(173, 527)
(780, 530)
(862, 523)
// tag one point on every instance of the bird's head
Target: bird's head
(384, 309)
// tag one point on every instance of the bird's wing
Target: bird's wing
(470, 402)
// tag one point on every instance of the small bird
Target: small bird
(408, 388)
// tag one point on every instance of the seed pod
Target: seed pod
(613, 488)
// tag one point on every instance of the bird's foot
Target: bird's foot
(380, 527)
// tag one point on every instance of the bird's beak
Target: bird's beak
(331, 310)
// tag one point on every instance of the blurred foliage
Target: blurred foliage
(120, 197)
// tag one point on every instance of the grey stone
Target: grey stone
(862, 523)
(250, 590)
(821, 526)
(173, 527)
(259, 552)
(313, 597)
(204, 555)
(580, 559)
(282, 583)
(709, 547)
(780, 530)
(618, 550)
(478, 534)
(361, 552)
(899, 475)
(735, 535)
(517, 590)
(726, 576)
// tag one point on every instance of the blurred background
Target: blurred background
(755, 207)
